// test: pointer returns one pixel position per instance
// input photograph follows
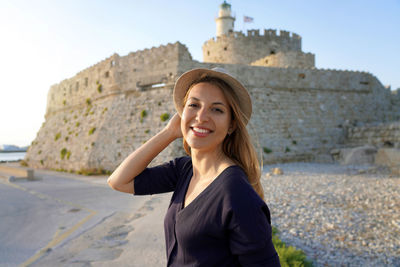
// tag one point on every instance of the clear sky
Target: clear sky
(46, 41)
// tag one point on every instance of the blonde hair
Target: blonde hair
(237, 145)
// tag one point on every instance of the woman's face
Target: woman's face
(206, 117)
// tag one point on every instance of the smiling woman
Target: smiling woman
(217, 216)
(206, 119)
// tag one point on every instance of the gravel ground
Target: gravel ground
(339, 215)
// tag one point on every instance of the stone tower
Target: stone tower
(225, 20)
(269, 48)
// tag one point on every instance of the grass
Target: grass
(93, 171)
(288, 255)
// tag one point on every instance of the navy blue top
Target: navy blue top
(227, 224)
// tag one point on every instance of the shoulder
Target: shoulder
(177, 165)
(183, 165)
(235, 182)
(183, 162)
(239, 196)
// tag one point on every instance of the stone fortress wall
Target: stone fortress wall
(99, 116)
(102, 114)
(296, 59)
(377, 134)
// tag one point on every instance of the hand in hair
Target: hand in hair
(174, 126)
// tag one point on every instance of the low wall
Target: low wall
(378, 135)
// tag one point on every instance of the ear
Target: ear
(232, 127)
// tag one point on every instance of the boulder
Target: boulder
(358, 155)
(389, 157)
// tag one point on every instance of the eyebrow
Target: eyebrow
(214, 103)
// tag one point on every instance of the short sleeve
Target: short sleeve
(159, 179)
(250, 235)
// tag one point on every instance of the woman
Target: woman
(217, 216)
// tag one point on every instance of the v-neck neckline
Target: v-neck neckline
(207, 188)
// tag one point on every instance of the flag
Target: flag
(247, 19)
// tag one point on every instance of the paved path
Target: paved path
(39, 218)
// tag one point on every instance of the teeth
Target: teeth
(199, 130)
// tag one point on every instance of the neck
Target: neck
(209, 164)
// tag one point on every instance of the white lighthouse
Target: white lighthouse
(224, 20)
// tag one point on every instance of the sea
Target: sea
(11, 156)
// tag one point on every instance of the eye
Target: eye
(218, 110)
(192, 105)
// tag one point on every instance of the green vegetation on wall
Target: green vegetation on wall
(63, 152)
(91, 131)
(57, 136)
(143, 114)
(267, 150)
(164, 117)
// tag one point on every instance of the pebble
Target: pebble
(338, 215)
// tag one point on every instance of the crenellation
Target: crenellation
(296, 36)
(244, 49)
(284, 34)
(270, 32)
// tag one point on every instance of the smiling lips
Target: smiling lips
(200, 132)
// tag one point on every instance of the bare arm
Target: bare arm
(122, 178)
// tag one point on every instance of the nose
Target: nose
(202, 115)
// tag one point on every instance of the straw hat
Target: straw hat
(185, 81)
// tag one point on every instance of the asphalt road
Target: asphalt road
(39, 216)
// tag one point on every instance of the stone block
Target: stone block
(358, 155)
(389, 157)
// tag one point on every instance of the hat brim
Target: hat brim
(186, 80)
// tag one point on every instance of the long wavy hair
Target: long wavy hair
(236, 145)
